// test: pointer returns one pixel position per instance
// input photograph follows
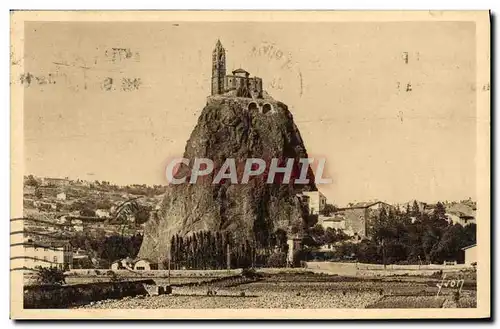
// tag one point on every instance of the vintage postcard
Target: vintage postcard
(250, 165)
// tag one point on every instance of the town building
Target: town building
(316, 201)
(102, 213)
(461, 218)
(358, 217)
(61, 219)
(29, 190)
(53, 254)
(333, 222)
(145, 265)
(81, 259)
(461, 213)
(45, 206)
(61, 196)
(55, 182)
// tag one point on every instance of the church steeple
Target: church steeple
(218, 68)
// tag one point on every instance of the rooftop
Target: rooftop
(240, 70)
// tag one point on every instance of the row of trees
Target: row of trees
(219, 250)
(408, 236)
(417, 236)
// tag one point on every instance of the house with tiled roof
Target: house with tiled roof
(461, 213)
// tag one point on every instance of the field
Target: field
(305, 290)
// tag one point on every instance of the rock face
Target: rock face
(240, 128)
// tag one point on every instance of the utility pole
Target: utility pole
(228, 258)
(252, 255)
(383, 253)
(168, 270)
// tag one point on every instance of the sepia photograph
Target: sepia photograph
(250, 164)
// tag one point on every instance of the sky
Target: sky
(391, 106)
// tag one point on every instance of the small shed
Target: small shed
(470, 254)
(145, 265)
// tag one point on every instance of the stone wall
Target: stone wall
(360, 269)
(55, 296)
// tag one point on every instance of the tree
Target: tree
(142, 214)
(317, 232)
(38, 193)
(330, 236)
(415, 210)
(328, 210)
(440, 211)
(103, 204)
(31, 181)
(395, 251)
(113, 277)
(277, 260)
(347, 250)
(453, 239)
(87, 212)
(281, 238)
(368, 252)
(50, 275)
(298, 257)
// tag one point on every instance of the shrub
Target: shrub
(50, 276)
(298, 257)
(31, 181)
(277, 259)
(38, 193)
(437, 274)
(113, 276)
(467, 302)
(249, 273)
(87, 212)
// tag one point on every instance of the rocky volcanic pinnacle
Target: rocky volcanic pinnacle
(227, 128)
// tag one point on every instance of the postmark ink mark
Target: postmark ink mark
(285, 61)
(28, 78)
(107, 84)
(301, 83)
(272, 52)
(129, 84)
(119, 54)
(405, 57)
(400, 116)
(276, 83)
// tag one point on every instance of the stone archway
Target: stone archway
(252, 106)
(266, 108)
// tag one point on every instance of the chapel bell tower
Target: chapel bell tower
(218, 68)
